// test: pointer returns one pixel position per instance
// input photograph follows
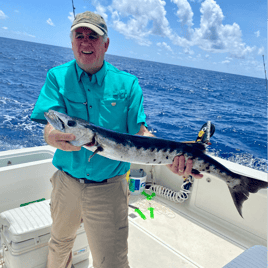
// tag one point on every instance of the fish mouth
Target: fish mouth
(50, 117)
(54, 120)
(62, 124)
(92, 143)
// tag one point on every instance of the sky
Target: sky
(228, 36)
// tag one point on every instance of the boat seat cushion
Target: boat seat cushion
(255, 256)
(26, 222)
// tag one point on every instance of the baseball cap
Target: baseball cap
(90, 20)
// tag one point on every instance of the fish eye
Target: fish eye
(71, 123)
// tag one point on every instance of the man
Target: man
(96, 191)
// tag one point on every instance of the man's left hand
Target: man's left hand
(178, 166)
(181, 168)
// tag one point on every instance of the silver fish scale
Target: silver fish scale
(128, 153)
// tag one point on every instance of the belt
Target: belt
(85, 181)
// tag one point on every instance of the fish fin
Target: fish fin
(239, 198)
(99, 149)
(240, 192)
(255, 185)
(198, 146)
(195, 171)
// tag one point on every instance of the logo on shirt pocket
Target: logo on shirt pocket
(113, 114)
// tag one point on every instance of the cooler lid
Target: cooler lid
(27, 222)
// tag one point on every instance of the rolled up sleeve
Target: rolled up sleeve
(136, 115)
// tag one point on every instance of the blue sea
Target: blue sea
(177, 101)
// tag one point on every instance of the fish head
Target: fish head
(67, 124)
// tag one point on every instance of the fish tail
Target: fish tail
(240, 192)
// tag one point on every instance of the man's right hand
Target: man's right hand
(59, 140)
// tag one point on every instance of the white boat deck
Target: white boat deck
(172, 240)
(204, 231)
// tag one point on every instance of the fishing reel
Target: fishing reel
(205, 133)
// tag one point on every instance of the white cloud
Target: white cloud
(71, 17)
(141, 19)
(5, 28)
(215, 37)
(138, 21)
(180, 41)
(261, 51)
(187, 50)
(185, 15)
(101, 10)
(257, 33)
(133, 30)
(210, 25)
(2, 15)
(165, 46)
(225, 62)
(250, 64)
(49, 21)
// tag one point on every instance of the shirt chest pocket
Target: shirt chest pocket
(76, 105)
(113, 114)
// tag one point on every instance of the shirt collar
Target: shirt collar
(79, 71)
(99, 75)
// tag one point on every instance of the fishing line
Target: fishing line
(264, 70)
(73, 8)
(265, 80)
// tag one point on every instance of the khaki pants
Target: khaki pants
(104, 210)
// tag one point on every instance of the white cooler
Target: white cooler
(25, 232)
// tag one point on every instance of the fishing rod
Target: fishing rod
(264, 70)
(73, 8)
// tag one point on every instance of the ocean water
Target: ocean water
(177, 101)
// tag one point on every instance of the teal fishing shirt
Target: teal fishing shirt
(112, 99)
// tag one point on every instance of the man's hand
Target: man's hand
(59, 140)
(179, 167)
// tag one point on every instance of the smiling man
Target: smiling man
(97, 191)
(89, 49)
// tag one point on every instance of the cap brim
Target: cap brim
(90, 26)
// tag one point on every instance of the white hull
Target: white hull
(204, 231)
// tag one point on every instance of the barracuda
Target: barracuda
(152, 151)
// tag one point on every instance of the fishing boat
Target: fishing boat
(203, 229)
